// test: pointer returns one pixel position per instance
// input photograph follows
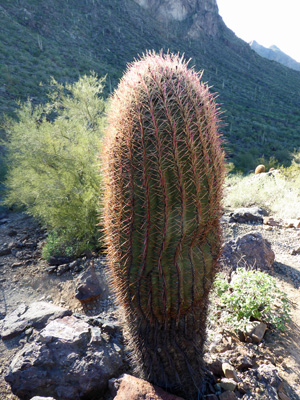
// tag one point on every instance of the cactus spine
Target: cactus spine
(164, 174)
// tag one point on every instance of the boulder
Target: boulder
(87, 285)
(269, 374)
(36, 314)
(64, 362)
(128, 387)
(250, 250)
(252, 214)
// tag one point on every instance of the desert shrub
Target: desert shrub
(272, 162)
(279, 193)
(53, 163)
(250, 295)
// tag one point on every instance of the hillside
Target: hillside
(275, 54)
(39, 39)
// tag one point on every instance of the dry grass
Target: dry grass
(278, 193)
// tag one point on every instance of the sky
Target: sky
(269, 22)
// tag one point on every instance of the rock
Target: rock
(5, 249)
(291, 223)
(243, 363)
(211, 397)
(229, 372)
(17, 264)
(63, 362)
(68, 328)
(228, 384)
(244, 215)
(87, 285)
(271, 221)
(215, 366)
(56, 260)
(295, 251)
(42, 398)
(128, 387)
(255, 382)
(36, 315)
(61, 269)
(51, 269)
(269, 373)
(256, 330)
(228, 395)
(199, 16)
(250, 250)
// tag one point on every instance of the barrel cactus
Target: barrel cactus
(164, 170)
(260, 169)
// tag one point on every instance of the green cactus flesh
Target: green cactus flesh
(164, 174)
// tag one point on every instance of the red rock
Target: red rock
(128, 387)
(271, 221)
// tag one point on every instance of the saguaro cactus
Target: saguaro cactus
(164, 173)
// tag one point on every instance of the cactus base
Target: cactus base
(159, 353)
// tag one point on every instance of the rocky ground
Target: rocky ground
(269, 369)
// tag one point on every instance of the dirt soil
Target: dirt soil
(24, 279)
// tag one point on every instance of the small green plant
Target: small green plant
(60, 244)
(53, 163)
(250, 295)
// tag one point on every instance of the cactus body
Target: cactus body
(260, 169)
(164, 175)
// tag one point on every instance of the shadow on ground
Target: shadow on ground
(287, 273)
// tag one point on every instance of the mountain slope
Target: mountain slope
(39, 39)
(275, 54)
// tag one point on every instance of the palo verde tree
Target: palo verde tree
(53, 163)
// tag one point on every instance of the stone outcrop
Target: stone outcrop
(250, 250)
(245, 215)
(35, 315)
(203, 14)
(68, 359)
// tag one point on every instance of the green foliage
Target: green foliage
(270, 163)
(250, 295)
(52, 158)
(58, 244)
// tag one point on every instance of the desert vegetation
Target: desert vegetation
(258, 97)
(277, 191)
(53, 164)
(249, 295)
